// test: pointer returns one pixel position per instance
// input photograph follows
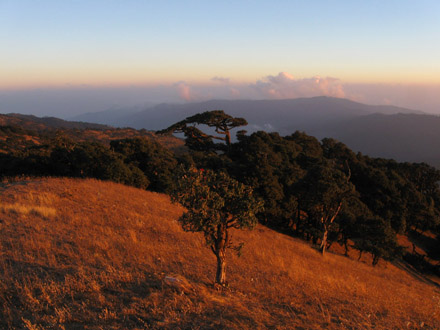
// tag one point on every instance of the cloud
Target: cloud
(185, 91)
(221, 80)
(284, 85)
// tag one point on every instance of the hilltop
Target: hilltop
(38, 124)
(18, 132)
(92, 254)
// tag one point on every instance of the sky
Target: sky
(66, 57)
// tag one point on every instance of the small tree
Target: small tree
(324, 190)
(215, 203)
(377, 237)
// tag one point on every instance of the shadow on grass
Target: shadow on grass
(415, 273)
(428, 243)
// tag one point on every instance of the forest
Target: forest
(319, 191)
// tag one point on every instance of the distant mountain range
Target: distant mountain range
(404, 137)
(379, 131)
(113, 116)
(283, 116)
(38, 123)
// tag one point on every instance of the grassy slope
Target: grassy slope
(80, 254)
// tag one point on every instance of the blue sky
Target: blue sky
(60, 44)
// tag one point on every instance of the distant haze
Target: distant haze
(70, 101)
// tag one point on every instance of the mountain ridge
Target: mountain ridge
(255, 111)
(41, 123)
(273, 113)
(416, 139)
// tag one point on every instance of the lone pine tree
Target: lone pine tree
(215, 203)
(201, 141)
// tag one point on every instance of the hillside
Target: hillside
(18, 132)
(89, 254)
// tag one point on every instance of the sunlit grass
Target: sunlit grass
(22, 209)
(86, 253)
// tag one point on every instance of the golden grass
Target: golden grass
(103, 259)
(46, 212)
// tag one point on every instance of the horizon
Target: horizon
(64, 59)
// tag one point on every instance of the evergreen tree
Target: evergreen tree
(215, 203)
(197, 139)
(323, 192)
(156, 162)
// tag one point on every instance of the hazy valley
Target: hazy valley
(378, 131)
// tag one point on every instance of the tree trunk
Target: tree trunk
(346, 247)
(324, 241)
(220, 276)
(228, 138)
(219, 249)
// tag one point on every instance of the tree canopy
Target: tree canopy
(196, 139)
(215, 203)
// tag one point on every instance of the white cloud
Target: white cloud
(284, 85)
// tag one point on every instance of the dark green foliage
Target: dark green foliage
(215, 203)
(310, 149)
(322, 193)
(213, 199)
(266, 161)
(156, 162)
(333, 149)
(422, 193)
(347, 227)
(376, 236)
(31, 161)
(380, 189)
(97, 161)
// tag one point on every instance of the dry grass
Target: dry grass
(46, 212)
(78, 254)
